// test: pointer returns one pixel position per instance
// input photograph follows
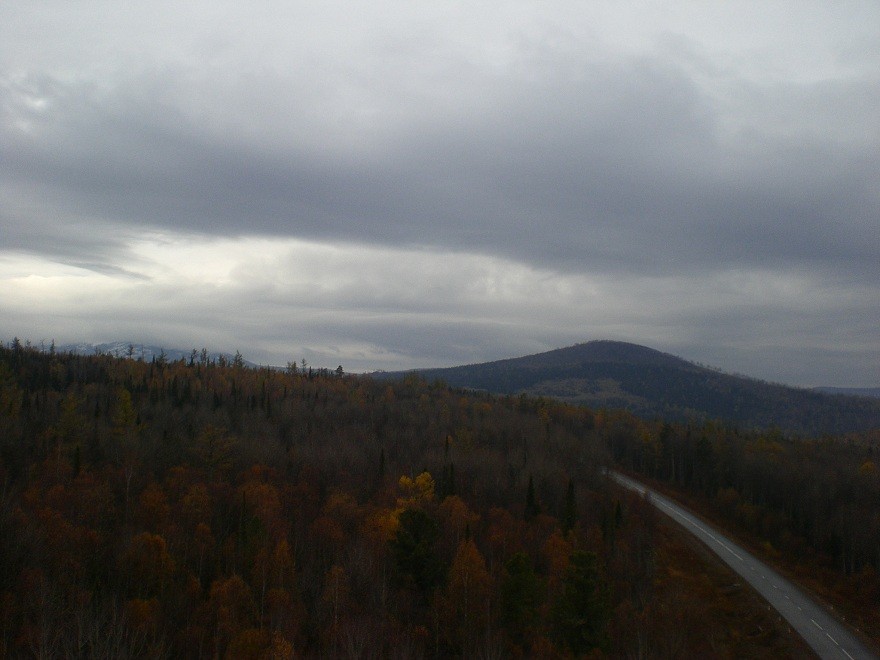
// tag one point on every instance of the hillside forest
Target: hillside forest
(651, 384)
(201, 508)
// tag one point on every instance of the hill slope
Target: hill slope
(851, 391)
(610, 374)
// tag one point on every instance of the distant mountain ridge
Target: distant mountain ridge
(851, 391)
(650, 383)
(144, 352)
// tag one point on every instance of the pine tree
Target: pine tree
(532, 506)
(569, 514)
(583, 610)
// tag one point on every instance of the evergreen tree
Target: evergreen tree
(414, 553)
(583, 610)
(521, 595)
(569, 514)
(532, 506)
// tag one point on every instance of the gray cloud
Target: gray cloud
(623, 168)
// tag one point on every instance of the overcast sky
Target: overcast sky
(403, 184)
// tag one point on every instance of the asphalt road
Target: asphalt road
(821, 631)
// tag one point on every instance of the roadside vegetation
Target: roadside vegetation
(809, 506)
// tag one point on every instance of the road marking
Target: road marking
(817, 625)
(831, 638)
(847, 654)
(730, 551)
(691, 521)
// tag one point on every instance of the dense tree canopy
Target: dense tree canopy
(197, 509)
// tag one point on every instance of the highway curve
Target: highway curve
(821, 631)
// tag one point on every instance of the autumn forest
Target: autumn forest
(202, 508)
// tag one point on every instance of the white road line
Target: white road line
(817, 625)
(730, 551)
(832, 639)
(847, 654)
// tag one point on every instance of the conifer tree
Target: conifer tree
(569, 514)
(532, 506)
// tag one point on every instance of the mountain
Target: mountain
(851, 391)
(649, 383)
(143, 352)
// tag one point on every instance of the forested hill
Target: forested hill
(653, 384)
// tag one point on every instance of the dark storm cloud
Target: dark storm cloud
(619, 167)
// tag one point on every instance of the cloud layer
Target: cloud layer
(436, 184)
